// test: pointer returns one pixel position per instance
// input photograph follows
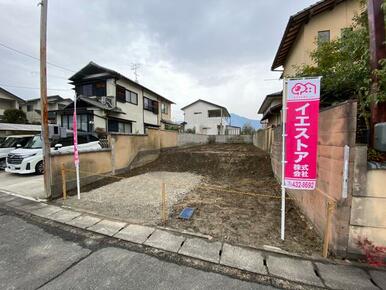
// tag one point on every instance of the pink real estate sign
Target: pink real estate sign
(301, 139)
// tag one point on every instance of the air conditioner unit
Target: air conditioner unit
(380, 137)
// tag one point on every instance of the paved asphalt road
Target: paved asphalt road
(33, 256)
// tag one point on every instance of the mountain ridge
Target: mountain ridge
(239, 121)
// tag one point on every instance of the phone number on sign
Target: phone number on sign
(300, 184)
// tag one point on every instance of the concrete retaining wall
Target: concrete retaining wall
(126, 152)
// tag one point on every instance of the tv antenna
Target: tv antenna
(135, 67)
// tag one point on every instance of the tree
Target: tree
(14, 116)
(344, 64)
(247, 129)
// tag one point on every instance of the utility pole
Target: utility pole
(377, 52)
(43, 97)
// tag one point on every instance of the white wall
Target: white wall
(133, 112)
(150, 117)
(201, 121)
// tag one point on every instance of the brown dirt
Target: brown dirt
(252, 219)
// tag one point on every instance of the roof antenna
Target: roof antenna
(135, 67)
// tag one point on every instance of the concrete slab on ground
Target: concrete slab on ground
(293, 270)
(379, 278)
(135, 233)
(165, 241)
(201, 249)
(27, 185)
(46, 211)
(344, 277)
(30, 256)
(83, 221)
(241, 258)
(64, 215)
(113, 268)
(107, 227)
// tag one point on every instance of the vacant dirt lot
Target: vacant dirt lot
(237, 198)
(251, 218)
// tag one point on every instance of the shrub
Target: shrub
(14, 116)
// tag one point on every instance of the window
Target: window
(82, 120)
(196, 113)
(131, 97)
(124, 95)
(214, 113)
(164, 108)
(97, 89)
(323, 36)
(121, 94)
(119, 127)
(30, 107)
(150, 105)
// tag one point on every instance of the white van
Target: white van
(30, 158)
(11, 143)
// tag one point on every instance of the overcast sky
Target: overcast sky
(220, 51)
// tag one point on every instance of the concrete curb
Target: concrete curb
(283, 270)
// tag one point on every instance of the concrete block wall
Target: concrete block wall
(337, 128)
(262, 139)
(233, 139)
(368, 209)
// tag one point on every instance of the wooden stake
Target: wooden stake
(64, 185)
(164, 204)
(327, 230)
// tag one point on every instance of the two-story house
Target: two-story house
(9, 101)
(204, 117)
(324, 21)
(32, 108)
(111, 102)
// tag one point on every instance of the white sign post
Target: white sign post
(76, 153)
(283, 115)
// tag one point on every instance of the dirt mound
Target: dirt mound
(220, 161)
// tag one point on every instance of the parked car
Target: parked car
(11, 143)
(30, 158)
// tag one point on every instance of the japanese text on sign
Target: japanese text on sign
(301, 133)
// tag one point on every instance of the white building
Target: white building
(9, 101)
(111, 102)
(203, 117)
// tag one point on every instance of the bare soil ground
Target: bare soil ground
(251, 218)
(237, 199)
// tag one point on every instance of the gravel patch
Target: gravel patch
(137, 198)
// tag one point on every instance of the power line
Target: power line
(33, 57)
(32, 88)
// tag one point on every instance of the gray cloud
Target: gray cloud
(219, 50)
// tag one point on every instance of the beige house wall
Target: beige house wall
(340, 17)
